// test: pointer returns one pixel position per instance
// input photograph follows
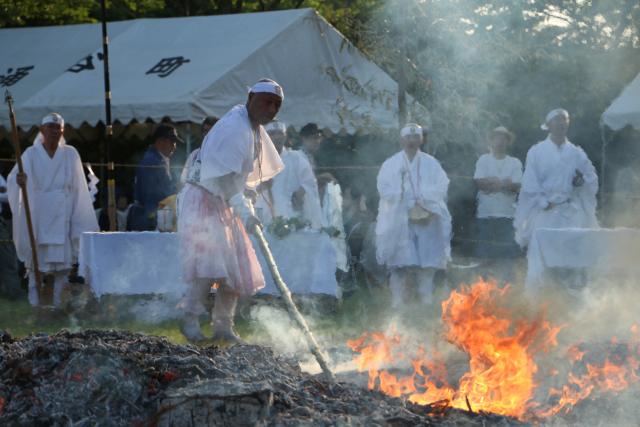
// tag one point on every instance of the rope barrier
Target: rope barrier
(348, 167)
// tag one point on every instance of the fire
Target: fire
(502, 347)
(610, 376)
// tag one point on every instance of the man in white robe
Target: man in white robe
(329, 192)
(293, 193)
(559, 184)
(60, 203)
(215, 215)
(413, 231)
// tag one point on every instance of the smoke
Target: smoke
(599, 319)
(274, 328)
(477, 65)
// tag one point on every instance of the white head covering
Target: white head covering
(504, 131)
(268, 86)
(53, 118)
(411, 129)
(551, 115)
(276, 126)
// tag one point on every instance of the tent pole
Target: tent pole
(189, 139)
(111, 183)
(402, 91)
(603, 166)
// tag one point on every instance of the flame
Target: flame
(502, 347)
(610, 376)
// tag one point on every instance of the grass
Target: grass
(336, 320)
(362, 309)
(20, 320)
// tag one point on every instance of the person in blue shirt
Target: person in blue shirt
(153, 181)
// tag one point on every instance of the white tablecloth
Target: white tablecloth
(148, 263)
(306, 260)
(144, 262)
(601, 251)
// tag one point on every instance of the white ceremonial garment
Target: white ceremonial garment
(332, 217)
(500, 204)
(214, 242)
(188, 165)
(401, 185)
(60, 203)
(548, 180)
(230, 148)
(277, 201)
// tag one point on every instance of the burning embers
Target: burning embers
(120, 378)
(502, 347)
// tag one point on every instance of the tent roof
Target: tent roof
(625, 109)
(187, 68)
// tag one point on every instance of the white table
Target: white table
(306, 260)
(602, 252)
(149, 263)
(130, 263)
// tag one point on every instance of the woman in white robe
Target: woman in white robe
(60, 203)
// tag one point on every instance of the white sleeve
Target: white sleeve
(241, 206)
(516, 173)
(481, 171)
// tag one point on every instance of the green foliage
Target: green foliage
(476, 63)
(37, 12)
(281, 227)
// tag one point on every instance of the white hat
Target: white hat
(276, 126)
(268, 86)
(411, 129)
(53, 118)
(503, 131)
(551, 115)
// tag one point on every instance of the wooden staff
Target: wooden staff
(291, 306)
(23, 186)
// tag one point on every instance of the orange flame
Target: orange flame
(501, 347)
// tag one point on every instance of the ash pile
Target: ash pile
(113, 378)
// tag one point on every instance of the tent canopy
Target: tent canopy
(187, 68)
(625, 109)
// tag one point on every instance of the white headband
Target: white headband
(276, 126)
(411, 129)
(53, 118)
(553, 114)
(268, 86)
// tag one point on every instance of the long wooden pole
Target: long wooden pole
(23, 188)
(111, 182)
(291, 306)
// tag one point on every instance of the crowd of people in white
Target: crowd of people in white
(246, 174)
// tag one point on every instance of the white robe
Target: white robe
(401, 185)
(548, 175)
(277, 202)
(230, 148)
(60, 203)
(214, 244)
(332, 217)
(188, 165)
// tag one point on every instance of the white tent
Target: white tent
(186, 68)
(625, 109)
